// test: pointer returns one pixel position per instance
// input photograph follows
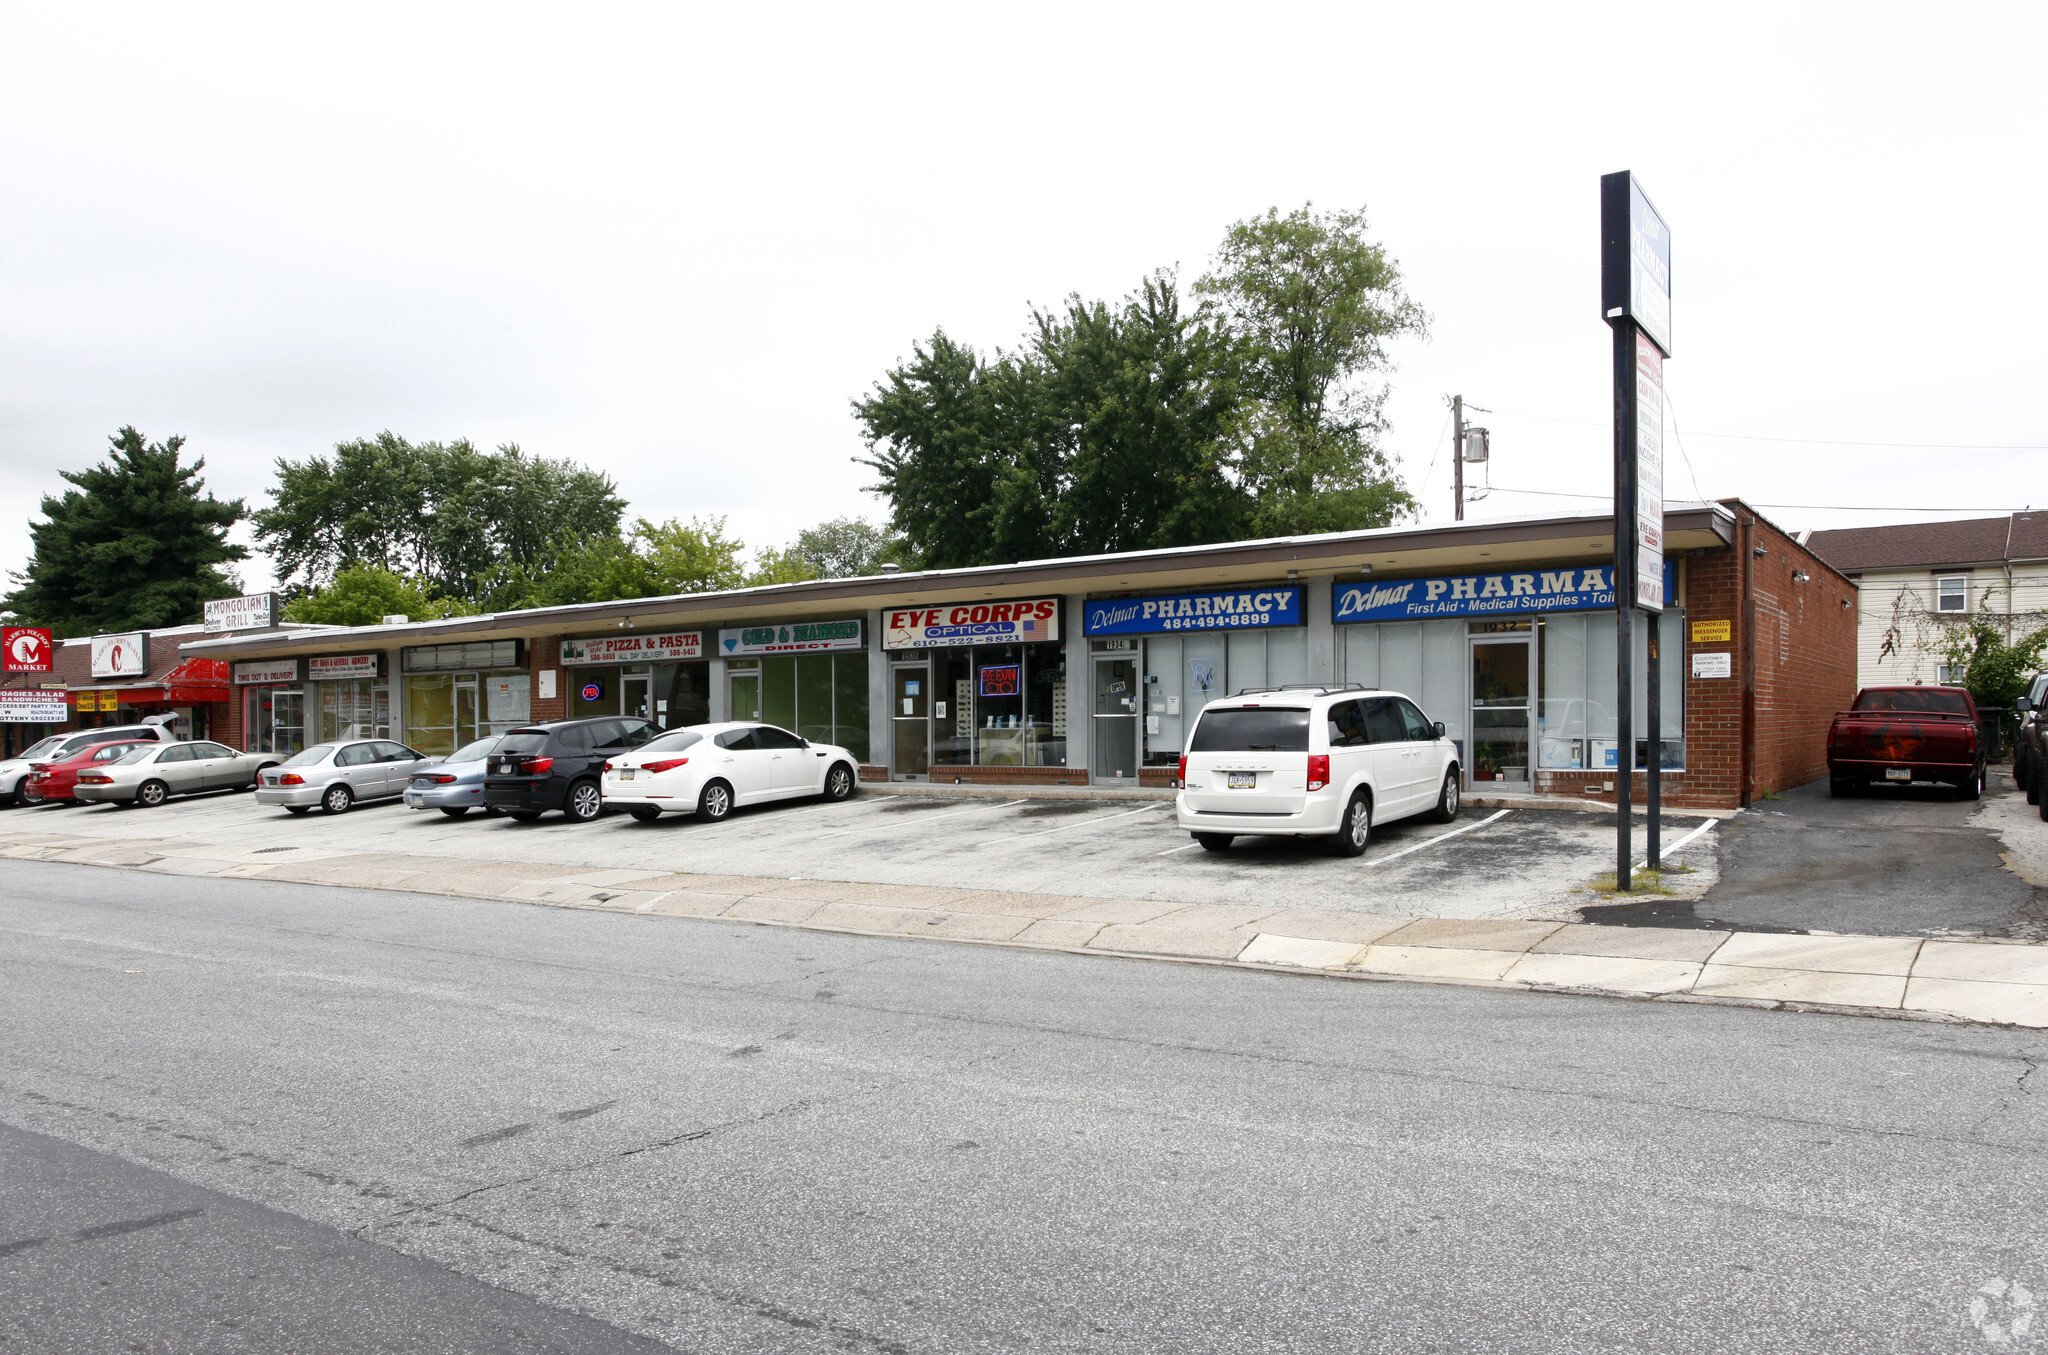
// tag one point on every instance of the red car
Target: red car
(57, 780)
(1899, 735)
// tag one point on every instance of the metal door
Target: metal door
(1115, 717)
(1501, 712)
(910, 711)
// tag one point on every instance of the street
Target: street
(738, 1138)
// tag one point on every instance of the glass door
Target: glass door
(1115, 717)
(637, 687)
(465, 708)
(910, 708)
(1500, 711)
(743, 686)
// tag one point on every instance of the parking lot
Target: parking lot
(1490, 863)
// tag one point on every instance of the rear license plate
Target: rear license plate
(1243, 781)
(1898, 773)
(627, 773)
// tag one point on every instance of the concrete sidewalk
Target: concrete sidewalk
(1997, 982)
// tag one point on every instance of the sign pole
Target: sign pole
(1624, 594)
(1653, 730)
(1458, 455)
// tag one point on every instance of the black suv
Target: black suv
(2030, 744)
(556, 766)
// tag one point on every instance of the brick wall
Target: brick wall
(542, 653)
(1009, 776)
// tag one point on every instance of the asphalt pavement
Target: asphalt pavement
(738, 1138)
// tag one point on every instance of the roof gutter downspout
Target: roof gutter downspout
(2007, 563)
(1746, 543)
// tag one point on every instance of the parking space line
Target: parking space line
(950, 814)
(1440, 837)
(1666, 851)
(1190, 847)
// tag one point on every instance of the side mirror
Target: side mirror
(805, 742)
(2023, 705)
(1439, 728)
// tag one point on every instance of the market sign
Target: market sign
(120, 655)
(804, 637)
(1579, 589)
(253, 612)
(267, 670)
(634, 648)
(27, 707)
(971, 623)
(337, 666)
(1228, 610)
(25, 649)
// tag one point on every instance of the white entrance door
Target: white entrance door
(1115, 718)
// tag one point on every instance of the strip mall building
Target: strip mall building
(1088, 671)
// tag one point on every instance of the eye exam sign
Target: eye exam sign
(1580, 589)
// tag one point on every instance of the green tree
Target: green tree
(846, 548)
(136, 545)
(363, 595)
(938, 445)
(1311, 304)
(1995, 671)
(692, 557)
(463, 521)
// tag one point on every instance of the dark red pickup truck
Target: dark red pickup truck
(1905, 734)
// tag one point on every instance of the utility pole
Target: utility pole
(1458, 452)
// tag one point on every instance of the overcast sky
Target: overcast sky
(673, 242)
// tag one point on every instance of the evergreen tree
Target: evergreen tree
(136, 546)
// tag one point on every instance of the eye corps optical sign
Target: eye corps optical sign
(1196, 611)
(971, 623)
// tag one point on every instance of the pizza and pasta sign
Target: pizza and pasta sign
(670, 648)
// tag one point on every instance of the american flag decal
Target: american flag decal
(1030, 625)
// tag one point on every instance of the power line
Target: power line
(1816, 442)
(1817, 507)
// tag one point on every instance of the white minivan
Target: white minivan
(1313, 762)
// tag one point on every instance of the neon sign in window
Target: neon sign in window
(1005, 679)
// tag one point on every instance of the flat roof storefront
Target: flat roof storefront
(1091, 670)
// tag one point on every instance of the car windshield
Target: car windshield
(311, 756)
(672, 742)
(523, 741)
(133, 756)
(476, 751)
(1922, 701)
(43, 746)
(1271, 729)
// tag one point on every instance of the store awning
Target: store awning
(193, 682)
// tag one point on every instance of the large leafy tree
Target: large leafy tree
(1312, 303)
(464, 522)
(845, 548)
(937, 442)
(363, 595)
(136, 545)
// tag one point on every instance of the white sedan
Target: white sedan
(709, 770)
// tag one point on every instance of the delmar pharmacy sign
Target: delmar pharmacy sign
(1579, 589)
(803, 637)
(1226, 610)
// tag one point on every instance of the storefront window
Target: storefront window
(443, 711)
(1183, 673)
(273, 720)
(999, 706)
(358, 708)
(1576, 724)
(821, 697)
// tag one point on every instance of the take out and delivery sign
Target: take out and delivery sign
(1577, 589)
(952, 625)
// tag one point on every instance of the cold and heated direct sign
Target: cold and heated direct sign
(1579, 589)
(634, 649)
(802, 637)
(33, 708)
(25, 649)
(1230, 610)
(337, 666)
(253, 612)
(120, 655)
(971, 623)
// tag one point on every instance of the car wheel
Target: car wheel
(456, 811)
(584, 801)
(715, 801)
(1355, 830)
(1215, 842)
(150, 794)
(492, 811)
(298, 809)
(1447, 799)
(2030, 782)
(525, 816)
(29, 797)
(1842, 789)
(839, 782)
(337, 799)
(646, 813)
(1972, 789)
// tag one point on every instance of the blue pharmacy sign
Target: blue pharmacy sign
(1581, 588)
(1228, 610)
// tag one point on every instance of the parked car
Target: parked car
(709, 770)
(1313, 762)
(336, 775)
(56, 778)
(14, 771)
(2030, 742)
(456, 786)
(559, 766)
(150, 773)
(1899, 735)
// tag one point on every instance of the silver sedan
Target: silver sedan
(336, 775)
(150, 775)
(456, 786)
